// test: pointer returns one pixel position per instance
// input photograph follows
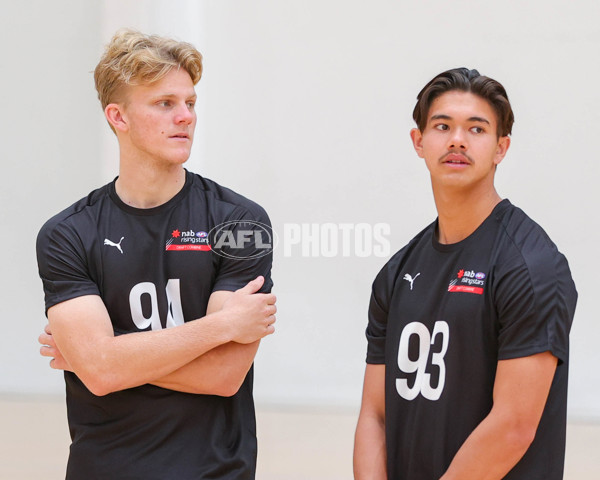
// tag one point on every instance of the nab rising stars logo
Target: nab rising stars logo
(187, 240)
(235, 239)
(468, 281)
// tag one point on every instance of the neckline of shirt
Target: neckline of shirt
(112, 191)
(450, 247)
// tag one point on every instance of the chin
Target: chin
(177, 159)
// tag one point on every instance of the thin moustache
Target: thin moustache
(463, 156)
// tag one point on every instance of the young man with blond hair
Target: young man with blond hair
(468, 332)
(155, 329)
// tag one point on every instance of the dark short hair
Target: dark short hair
(466, 80)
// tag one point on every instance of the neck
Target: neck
(460, 212)
(143, 185)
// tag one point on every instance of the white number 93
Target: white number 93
(422, 383)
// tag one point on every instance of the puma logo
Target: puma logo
(116, 245)
(410, 279)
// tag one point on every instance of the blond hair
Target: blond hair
(133, 58)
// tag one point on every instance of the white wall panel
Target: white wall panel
(305, 107)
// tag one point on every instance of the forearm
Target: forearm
(370, 457)
(502, 438)
(220, 371)
(134, 359)
(491, 450)
(83, 333)
(369, 449)
(107, 363)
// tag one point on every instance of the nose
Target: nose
(457, 140)
(185, 114)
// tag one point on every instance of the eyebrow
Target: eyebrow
(442, 116)
(171, 95)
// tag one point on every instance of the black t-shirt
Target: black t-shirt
(440, 318)
(155, 268)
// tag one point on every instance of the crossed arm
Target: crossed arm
(209, 355)
(493, 448)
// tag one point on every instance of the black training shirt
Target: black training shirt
(440, 319)
(155, 268)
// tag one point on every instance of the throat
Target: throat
(460, 218)
(149, 189)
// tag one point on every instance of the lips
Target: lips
(456, 159)
(183, 136)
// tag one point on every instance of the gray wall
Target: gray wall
(306, 107)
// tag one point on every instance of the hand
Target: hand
(251, 314)
(49, 349)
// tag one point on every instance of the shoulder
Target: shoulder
(529, 243)
(530, 262)
(521, 229)
(387, 276)
(226, 201)
(533, 291)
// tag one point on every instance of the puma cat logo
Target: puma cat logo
(410, 279)
(116, 245)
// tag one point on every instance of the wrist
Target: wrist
(223, 330)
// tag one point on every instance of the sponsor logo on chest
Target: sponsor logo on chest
(188, 239)
(467, 281)
(235, 239)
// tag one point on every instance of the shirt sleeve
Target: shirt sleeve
(245, 244)
(378, 317)
(535, 299)
(62, 264)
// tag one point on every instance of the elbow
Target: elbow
(229, 380)
(100, 390)
(227, 392)
(98, 385)
(100, 382)
(228, 383)
(227, 387)
(99, 375)
(220, 386)
(520, 436)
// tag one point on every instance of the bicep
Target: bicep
(78, 326)
(251, 255)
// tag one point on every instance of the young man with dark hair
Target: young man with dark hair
(468, 328)
(155, 331)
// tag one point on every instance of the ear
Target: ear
(501, 149)
(417, 139)
(114, 113)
